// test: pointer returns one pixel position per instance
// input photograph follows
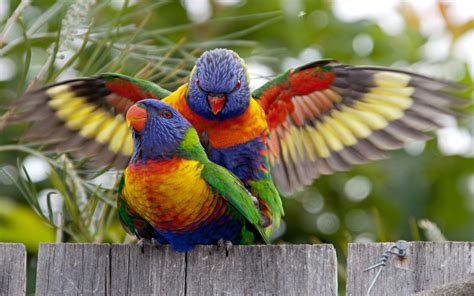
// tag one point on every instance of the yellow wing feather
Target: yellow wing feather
(91, 125)
(353, 122)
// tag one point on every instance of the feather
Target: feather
(418, 121)
(384, 141)
(403, 133)
(369, 150)
(352, 156)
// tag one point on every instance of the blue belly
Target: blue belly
(208, 233)
(244, 160)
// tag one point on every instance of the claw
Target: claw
(228, 246)
(223, 244)
(220, 244)
(155, 243)
(141, 244)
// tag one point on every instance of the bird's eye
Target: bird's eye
(198, 83)
(237, 85)
(166, 114)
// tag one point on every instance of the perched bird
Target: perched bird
(170, 191)
(316, 119)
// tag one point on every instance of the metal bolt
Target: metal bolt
(400, 246)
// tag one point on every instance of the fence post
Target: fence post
(154, 272)
(263, 270)
(12, 269)
(426, 266)
(88, 269)
(72, 269)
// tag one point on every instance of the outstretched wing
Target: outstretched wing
(326, 116)
(86, 115)
(231, 189)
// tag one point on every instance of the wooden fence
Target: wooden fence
(428, 268)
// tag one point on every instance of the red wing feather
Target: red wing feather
(325, 116)
(86, 115)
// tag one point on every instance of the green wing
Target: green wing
(230, 188)
(271, 207)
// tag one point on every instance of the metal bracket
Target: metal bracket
(398, 249)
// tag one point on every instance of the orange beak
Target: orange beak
(216, 102)
(136, 118)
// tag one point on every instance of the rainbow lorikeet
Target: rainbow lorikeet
(170, 191)
(316, 119)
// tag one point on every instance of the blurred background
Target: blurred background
(422, 192)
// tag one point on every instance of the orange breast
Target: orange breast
(170, 194)
(227, 133)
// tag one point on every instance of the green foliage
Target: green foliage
(155, 40)
(48, 41)
(19, 223)
(86, 212)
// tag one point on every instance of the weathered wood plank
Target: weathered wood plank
(72, 269)
(12, 269)
(86, 269)
(262, 270)
(427, 265)
(157, 271)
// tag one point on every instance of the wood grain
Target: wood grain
(86, 269)
(91, 269)
(72, 269)
(262, 270)
(156, 271)
(427, 265)
(12, 269)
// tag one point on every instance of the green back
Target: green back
(231, 188)
(226, 184)
(145, 85)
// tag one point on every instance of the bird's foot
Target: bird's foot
(143, 241)
(223, 244)
(141, 244)
(228, 246)
(220, 244)
(155, 243)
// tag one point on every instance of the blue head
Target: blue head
(219, 87)
(158, 130)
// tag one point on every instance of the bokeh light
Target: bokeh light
(327, 223)
(8, 69)
(259, 74)
(313, 203)
(357, 188)
(198, 10)
(55, 201)
(362, 44)
(415, 148)
(37, 168)
(108, 180)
